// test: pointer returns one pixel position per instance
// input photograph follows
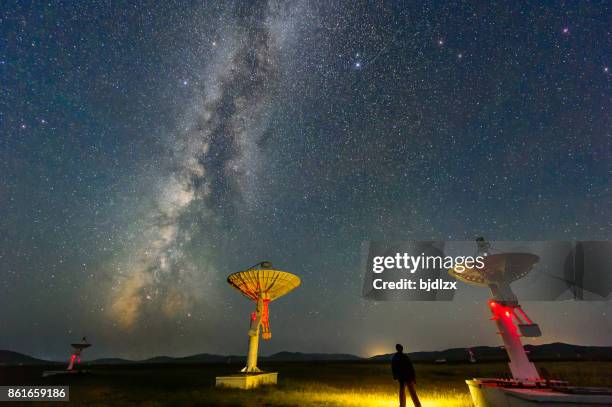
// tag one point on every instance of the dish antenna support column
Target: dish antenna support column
(259, 321)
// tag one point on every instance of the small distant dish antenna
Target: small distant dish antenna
(262, 284)
(75, 358)
(498, 272)
(472, 357)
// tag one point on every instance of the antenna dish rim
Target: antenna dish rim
(475, 276)
(245, 282)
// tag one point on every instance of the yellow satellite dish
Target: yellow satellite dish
(265, 283)
(262, 284)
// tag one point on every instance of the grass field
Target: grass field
(300, 384)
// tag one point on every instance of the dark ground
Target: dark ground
(300, 383)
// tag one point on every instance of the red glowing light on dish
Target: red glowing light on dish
(492, 303)
(508, 314)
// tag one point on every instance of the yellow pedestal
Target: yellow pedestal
(247, 380)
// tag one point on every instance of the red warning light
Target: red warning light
(508, 314)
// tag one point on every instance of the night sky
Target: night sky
(148, 151)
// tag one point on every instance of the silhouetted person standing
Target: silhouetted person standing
(403, 372)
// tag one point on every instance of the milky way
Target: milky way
(215, 150)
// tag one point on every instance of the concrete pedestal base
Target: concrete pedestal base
(48, 373)
(247, 380)
(486, 394)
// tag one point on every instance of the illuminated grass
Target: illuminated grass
(316, 396)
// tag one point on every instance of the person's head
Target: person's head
(399, 348)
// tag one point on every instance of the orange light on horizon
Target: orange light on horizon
(375, 350)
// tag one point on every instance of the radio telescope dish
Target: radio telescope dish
(76, 355)
(266, 283)
(73, 362)
(81, 345)
(498, 268)
(262, 284)
(498, 271)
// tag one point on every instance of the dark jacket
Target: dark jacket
(402, 368)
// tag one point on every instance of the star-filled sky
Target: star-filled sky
(148, 151)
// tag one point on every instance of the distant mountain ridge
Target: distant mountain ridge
(552, 351)
(9, 358)
(545, 352)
